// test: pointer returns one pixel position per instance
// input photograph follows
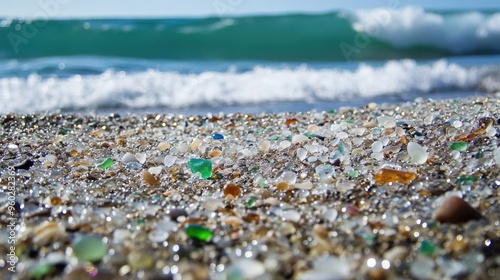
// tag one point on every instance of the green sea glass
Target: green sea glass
(459, 146)
(204, 166)
(89, 248)
(198, 232)
(107, 163)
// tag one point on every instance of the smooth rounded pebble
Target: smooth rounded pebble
(455, 210)
(417, 153)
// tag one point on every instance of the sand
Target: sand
(311, 195)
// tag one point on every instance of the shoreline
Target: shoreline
(289, 195)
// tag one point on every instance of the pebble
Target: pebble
(163, 146)
(496, 155)
(422, 268)
(245, 269)
(169, 160)
(301, 153)
(296, 139)
(455, 210)
(128, 157)
(48, 232)
(89, 248)
(417, 153)
(397, 253)
(291, 215)
(328, 268)
(377, 146)
(141, 157)
(324, 171)
(330, 215)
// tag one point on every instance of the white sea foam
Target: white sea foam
(413, 26)
(154, 88)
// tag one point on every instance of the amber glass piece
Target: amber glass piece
(150, 178)
(232, 190)
(386, 175)
(291, 121)
(282, 186)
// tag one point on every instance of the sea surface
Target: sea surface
(246, 64)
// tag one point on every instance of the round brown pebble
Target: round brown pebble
(455, 210)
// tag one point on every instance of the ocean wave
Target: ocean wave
(413, 26)
(260, 85)
(409, 32)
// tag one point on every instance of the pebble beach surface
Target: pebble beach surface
(399, 191)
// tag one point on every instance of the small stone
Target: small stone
(25, 165)
(89, 248)
(163, 146)
(202, 166)
(299, 138)
(141, 157)
(324, 171)
(217, 136)
(422, 268)
(140, 260)
(330, 215)
(156, 170)
(232, 191)
(291, 215)
(128, 157)
(496, 155)
(245, 269)
(251, 218)
(397, 253)
(386, 175)
(176, 213)
(307, 185)
(107, 163)
(301, 153)
(417, 153)
(195, 144)
(48, 232)
(214, 153)
(455, 210)
(150, 178)
(377, 146)
(198, 232)
(169, 160)
(459, 146)
(264, 145)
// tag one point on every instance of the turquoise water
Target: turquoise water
(269, 63)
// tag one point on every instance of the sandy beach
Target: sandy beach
(384, 191)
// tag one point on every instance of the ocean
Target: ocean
(247, 64)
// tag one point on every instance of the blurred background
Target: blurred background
(194, 57)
